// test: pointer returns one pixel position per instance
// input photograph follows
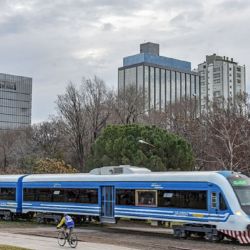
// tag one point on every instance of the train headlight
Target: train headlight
(238, 213)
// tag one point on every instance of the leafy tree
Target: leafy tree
(119, 145)
(50, 166)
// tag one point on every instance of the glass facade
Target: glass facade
(152, 88)
(15, 101)
(161, 86)
(163, 90)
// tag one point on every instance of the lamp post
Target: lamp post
(147, 143)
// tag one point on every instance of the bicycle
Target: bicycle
(63, 237)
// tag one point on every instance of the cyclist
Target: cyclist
(68, 224)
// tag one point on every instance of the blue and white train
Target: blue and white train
(215, 204)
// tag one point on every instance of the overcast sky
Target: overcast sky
(55, 41)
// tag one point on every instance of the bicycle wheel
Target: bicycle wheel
(61, 239)
(73, 241)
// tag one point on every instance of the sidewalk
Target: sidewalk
(43, 243)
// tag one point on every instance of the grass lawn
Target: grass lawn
(5, 247)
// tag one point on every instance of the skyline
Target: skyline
(55, 42)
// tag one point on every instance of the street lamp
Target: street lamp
(147, 143)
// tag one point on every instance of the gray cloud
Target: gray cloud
(58, 41)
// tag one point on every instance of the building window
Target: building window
(216, 69)
(217, 93)
(173, 87)
(163, 89)
(152, 88)
(157, 89)
(130, 76)
(216, 75)
(146, 86)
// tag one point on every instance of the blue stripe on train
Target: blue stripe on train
(48, 209)
(169, 217)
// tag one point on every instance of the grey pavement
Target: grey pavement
(44, 243)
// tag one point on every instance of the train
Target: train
(213, 204)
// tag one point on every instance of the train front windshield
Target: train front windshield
(241, 186)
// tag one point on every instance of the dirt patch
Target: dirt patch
(128, 234)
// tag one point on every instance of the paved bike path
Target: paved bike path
(43, 243)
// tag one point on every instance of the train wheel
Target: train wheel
(177, 233)
(220, 236)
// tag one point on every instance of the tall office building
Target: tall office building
(15, 101)
(164, 80)
(221, 78)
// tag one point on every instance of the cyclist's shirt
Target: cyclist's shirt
(69, 222)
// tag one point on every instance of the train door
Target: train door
(214, 202)
(107, 204)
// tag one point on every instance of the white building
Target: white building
(221, 77)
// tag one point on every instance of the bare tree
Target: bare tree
(13, 147)
(97, 103)
(47, 139)
(228, 136)
(130, 105)
(73, 114)
(7, 140)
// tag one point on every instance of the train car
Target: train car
(211, 203)
(10, 195)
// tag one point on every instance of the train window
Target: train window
(8, 194)
(146, 198)
(125, 197)
(222, 204)
(182, 199)
(44, 194)
(73, 195)
(61, 195)
(213, 200)
(88, 196)
(58, 195)
(29, 194)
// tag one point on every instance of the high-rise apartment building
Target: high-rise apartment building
(164, 80)
(15, 101)
(221, 77)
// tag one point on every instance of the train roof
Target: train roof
(192, 176)
(9, 178)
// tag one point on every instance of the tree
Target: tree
(97, 102)
(84, 111)
(119, 144)
(47, 139)
(228, 134)
(51, 166)
(74, 122)
(12, 147)
(130, 105)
